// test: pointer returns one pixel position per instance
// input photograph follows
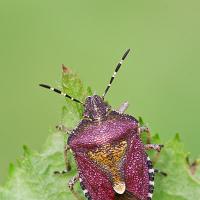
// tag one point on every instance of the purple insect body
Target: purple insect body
(111, 158)
(110, 155)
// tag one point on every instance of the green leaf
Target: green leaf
(33, 178)
(180, 183)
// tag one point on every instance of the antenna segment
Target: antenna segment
(59, 92)
(115, 72)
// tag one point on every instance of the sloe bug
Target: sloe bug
(111, 158)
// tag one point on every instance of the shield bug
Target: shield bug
(111, 159)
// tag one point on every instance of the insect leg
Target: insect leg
(160, 172)
(63, 129)
(156, 147)
(192, 165)
(146, 129)
(71, 184)
(67, 162)
(123, 107)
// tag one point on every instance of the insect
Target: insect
(111, 159)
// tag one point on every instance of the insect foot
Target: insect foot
(160, 172)
(156, 147)
(61, 172)
(71, 184)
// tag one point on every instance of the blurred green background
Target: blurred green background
(160, 78)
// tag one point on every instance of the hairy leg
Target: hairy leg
(63, 129)
(156, 147)
(160, 172)
(145, 129)
(71, 184)
(67, 162)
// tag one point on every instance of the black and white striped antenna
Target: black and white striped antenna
(59, 92)
(116, 70)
